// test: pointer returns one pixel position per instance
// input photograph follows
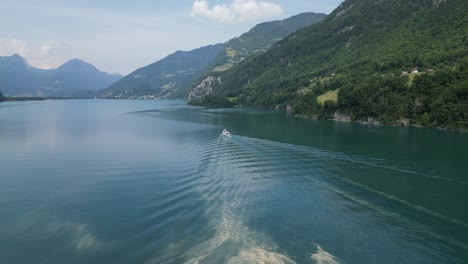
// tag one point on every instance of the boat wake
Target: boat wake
(238, 181)
(227, 189)
(323, 257)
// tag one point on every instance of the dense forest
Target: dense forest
(1, 97)
(438, 99)
(365, 51)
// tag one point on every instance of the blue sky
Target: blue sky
(120, 36)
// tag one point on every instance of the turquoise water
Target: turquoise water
(97, 181)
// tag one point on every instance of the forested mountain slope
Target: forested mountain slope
(361, 52)
(260, 38)
(256, 41)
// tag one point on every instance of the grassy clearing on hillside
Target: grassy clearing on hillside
(233, 99)
(411, 77)
(223, 67)
(324, 79)
(231, 52)
(328, 96)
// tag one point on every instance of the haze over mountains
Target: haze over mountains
(74, 78)
(174, 76)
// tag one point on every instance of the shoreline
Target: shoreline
(377, 124)
(337, 117)
(25, 99)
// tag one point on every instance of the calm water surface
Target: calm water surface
(97, 181)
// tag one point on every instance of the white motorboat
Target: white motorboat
(226, 133)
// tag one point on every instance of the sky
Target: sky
(120, 36)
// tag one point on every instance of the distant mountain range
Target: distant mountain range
(170, 77)
(175, 75)
(74, 78)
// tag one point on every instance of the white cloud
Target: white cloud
(236, 12)
(52, 54)
(11, 46)
(47, 48)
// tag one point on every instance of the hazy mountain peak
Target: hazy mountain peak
(15, 59)
(77, 64)
(77, 61)
(16, 56)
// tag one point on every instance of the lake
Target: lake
(101, 181)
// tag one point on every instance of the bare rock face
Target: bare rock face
(289, 110)
(371, 121)
(404, 122)
(438, 2)
(342, 117)
(204, 88)
(343, 10)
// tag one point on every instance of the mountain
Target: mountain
(260, 38)
(76, 74)
(356, 65)
(256, 41)
(17, 77)
(173, 76)
(74, 78)
(170, 77)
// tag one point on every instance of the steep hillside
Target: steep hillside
(260, 38)
(74, 78)
(257, 41)
(170, 77)
(362, 51)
